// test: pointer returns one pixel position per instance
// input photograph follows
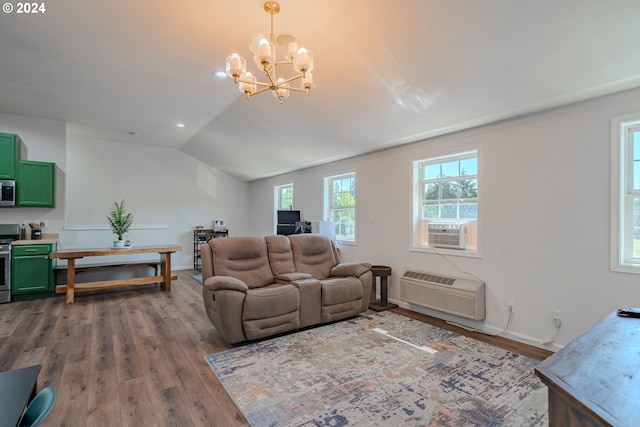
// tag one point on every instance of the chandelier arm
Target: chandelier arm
(297, 89)
(268, 85)
(273, 85)
(264, 89)
(299, 76)
(267, 72)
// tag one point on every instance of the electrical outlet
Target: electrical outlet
(557, 318)
(510, 305)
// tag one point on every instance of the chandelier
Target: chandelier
(264, 56)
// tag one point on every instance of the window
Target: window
(282, 200)
(284, 197)
(340, 205)
(446, 191)
(626, 194)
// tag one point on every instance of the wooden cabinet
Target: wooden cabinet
(32, 271)
(594, 381)
(36, 182)
(9, 155)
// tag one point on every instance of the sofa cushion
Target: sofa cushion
(342, 297)
(280, 255)
(313, 254)
(244, 258)
(270, 310)
(338, 290)
(270, 301)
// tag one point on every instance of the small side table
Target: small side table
(381, 271)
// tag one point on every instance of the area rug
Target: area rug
(198, 277)
(381, 369)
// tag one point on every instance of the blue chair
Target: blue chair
(40, 407)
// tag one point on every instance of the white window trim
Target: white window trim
(415, 202)
(276, 202)
(327, 195)
(619, 174)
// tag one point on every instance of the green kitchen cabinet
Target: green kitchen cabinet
(32, 274)
(36, 184)
(9, 155)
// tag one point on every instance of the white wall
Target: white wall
(544, 199)
(168, 192)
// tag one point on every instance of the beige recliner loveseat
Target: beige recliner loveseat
(254, 287)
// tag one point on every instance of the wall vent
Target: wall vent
(461, 297)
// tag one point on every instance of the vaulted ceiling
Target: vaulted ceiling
(386, 73)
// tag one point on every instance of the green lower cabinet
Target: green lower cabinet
(36, 184)
(32, 272)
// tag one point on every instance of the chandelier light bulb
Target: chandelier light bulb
(292, 51)
(303, 61)
(248, 85)
(255, 41)
(235, 66)
(264, 50)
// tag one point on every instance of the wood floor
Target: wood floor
(134, 357)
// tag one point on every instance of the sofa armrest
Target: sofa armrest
(216, 283)
(346, 269)
(291, 277)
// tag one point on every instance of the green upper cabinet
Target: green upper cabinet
(36, 184)
(9, 155)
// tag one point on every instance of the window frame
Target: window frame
(417, 222)
(623, 193)
(328, 209)
(277, 202)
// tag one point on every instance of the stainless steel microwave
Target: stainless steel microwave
(7, 193)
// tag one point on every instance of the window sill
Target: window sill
(626, 268)
(467, 253)
(347, 242)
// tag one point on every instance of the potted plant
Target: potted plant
(120, 222)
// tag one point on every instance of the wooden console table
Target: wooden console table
(71, 255)
(595, 380)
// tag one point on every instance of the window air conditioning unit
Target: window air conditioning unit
(451, 235)
(461, 297)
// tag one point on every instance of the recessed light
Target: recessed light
(220, 74)
(179, 125)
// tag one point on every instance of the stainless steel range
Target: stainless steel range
(8, 234)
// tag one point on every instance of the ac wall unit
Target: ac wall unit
(452, 235)
(461, 297)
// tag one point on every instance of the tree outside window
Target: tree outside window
(342, 205)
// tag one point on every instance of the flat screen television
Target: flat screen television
(288, 217)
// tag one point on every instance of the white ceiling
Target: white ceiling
(386, 73)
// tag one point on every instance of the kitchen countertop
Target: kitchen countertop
(47, 239)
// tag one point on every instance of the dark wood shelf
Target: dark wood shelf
(203, 235)
(595, 380)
